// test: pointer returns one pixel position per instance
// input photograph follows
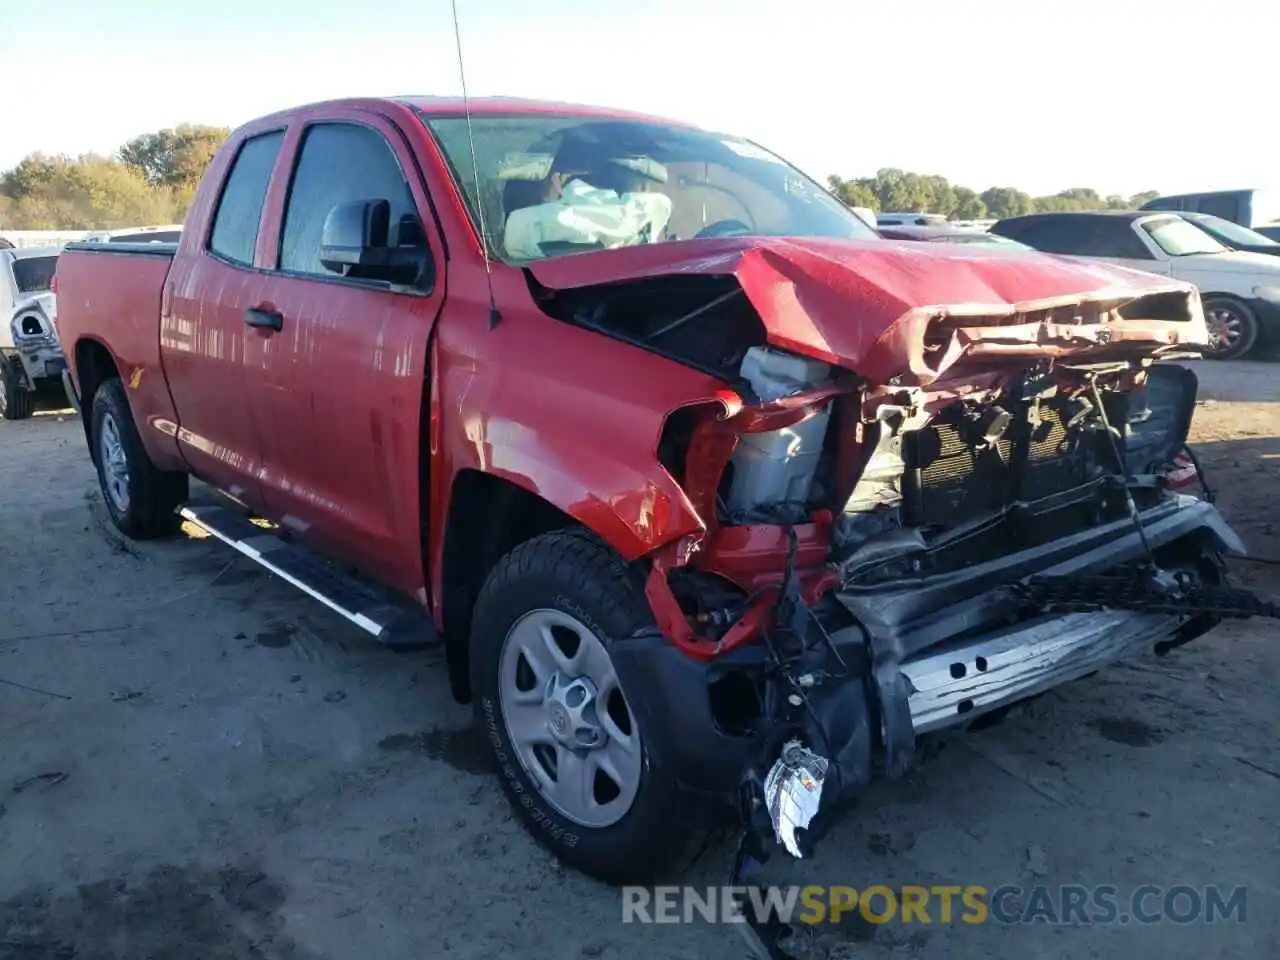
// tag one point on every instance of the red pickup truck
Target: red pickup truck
(679, 461)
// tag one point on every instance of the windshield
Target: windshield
(1181, 238)
(34, 274)
(1231, 233)
(552, 185)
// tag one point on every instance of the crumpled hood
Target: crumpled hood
(871, 305)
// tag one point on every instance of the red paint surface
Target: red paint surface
(115, 300)
(325, 421)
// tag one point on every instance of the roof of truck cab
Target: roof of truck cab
(457, 107)
(500, 106)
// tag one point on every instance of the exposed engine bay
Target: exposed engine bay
(1031, 465)
(949, 482)
(910, 524)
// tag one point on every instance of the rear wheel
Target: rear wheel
(574, 761)
(1233, 328)
(140, 497)
(16, 403)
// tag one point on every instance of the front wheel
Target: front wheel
(573, 758)
(16, 403)
(140, 497)
(1233, 328)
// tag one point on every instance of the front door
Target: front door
(339, 410)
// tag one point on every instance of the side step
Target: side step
(378, 613)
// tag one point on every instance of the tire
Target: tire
(1232, 319)
(141, 498)
(555, 585)
(15, 402)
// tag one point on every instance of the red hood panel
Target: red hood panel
(864, 304)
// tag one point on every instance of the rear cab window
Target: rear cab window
(239, 214)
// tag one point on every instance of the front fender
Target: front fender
(569, 415)
(635, 506)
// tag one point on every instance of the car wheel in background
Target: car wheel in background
(1233, 328)
(140, 497)
(15, 402)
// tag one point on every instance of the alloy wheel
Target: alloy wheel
(115, 466)
(567, 717)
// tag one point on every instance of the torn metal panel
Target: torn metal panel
(892, 312)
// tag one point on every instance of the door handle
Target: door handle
(264, 319)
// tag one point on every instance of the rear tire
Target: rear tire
(15, 402)
(1233, 328)
(140, 497)
(570, 586)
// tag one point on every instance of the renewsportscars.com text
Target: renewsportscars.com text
(940, 904)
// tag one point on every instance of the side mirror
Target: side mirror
(355, 242)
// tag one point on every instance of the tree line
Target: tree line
(152, 179)
(902, 191)
(149, 180)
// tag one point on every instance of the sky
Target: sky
(1119, 95)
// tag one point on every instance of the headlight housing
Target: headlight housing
(31, 326)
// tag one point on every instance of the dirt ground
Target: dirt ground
(198, 762)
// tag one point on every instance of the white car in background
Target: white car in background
(1240, 291)
(31, 359)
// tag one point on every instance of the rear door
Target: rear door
(344, 379)
(203, 333)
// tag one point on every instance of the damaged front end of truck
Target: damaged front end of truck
(933, 486)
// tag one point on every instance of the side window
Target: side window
(235, 225)
(342, 163)
(1054, 235)
(1115, 238)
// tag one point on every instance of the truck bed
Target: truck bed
(109, 295)
(118, 284)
